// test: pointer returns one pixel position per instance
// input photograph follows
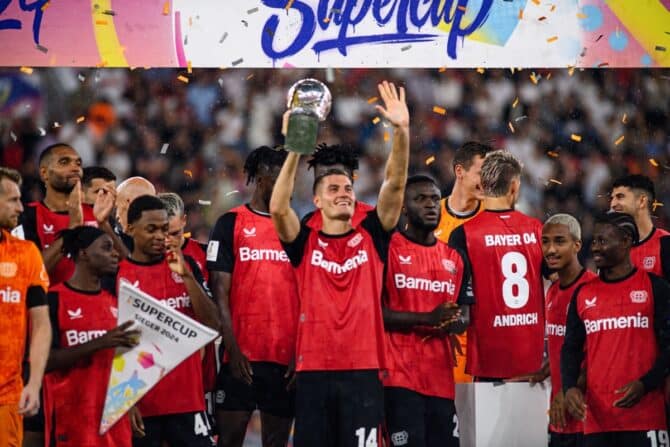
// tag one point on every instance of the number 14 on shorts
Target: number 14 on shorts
(657, 438)
(367, 441)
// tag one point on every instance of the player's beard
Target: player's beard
(62, 187)
(419, 223)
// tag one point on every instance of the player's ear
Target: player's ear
(458, 171)
(317, 201)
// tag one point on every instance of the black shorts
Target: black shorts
(35, 423)
(267, 393)
(179, 430)
(415, 420)
(339, 408)
(566, 439)
(651, 438)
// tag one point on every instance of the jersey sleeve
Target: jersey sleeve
(52, 299)
(380, 237)
(38, 273)
(665, 257)
(572, 352)
(661, 291)
(220, 250)
(465, 295)
(295, 250)
(198, 274)
(27, 227)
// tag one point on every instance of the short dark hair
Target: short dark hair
(326, 155)
(11, 174)
(637, 183)
(420, 178)
(45, 155)
(263, 156)
(329, 172)
(79, 238)
(465, 154)
(93, 172)
(144, 203)
(624, 222)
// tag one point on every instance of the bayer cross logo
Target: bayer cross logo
(649, 262)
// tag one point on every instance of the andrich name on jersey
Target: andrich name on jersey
(515, 320)
(509, 240)
(262, 254)
(556, 329)
(613, 323)
(333, 267)
(426, 285)
(75, 337)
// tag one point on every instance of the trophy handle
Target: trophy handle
(302, 133)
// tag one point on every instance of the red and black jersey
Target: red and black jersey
(197, 252)
(314, 220)
(41, 225)
(418, 278)
(339, 280)
(623, 326)
(653, 253)
(263, 293)
(78, 393)
(506, 332)
(556, 309)
(157, 280)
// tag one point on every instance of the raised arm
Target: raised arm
(284, 218)
(389, 203)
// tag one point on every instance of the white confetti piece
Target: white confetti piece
(406, 47)
(56, 124)
(165, 148)
(252, 10)
(42, 131)
(223, 37)
(13, 135)
(237, 62)
(230, 193)
(205, 202)
(330, 74)
(81, 77)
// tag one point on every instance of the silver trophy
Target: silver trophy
(309, 101)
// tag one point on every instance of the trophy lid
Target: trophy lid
(310, 96)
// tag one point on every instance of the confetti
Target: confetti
(440, 110)
(81, 119)
(42, 131)
(183, 79)
(575, 137)
(326, 20)
(186, 235)
(520, 118)
(373, 100)
(26, 70)
(619, 140)
(571, 70)
(406, 47)
(13, 135)
(511, 127)
(375, 120)
(330, 74)
(42, 48)
(237, 62)
(205, 202)
(581, 15)
(653, 162)
(552, 39)
(289, 3)
(246, 24)
(604, 64)
(164, 148)
(189, 67)
(442, 69)
(553, 180)
(540, 19)
(480, 70)
(250, 77)
(515, 103)
(533, 78)
(45, 6)
(252, 10)
(655, 205)
(552, 154)
(223, 37)
(548, 76)
(624, 118)
(462, 8)
(599, 37)
(56, 124)
(553, 8)
(186, 39)
(386, 136)
(659, 48)
(537, 2)
(230, 193)
(109, 12)
(166, 8)
(188, 172)
(81, 77)
(520, 13)
(287, 65)
(430, 160)
(101, 22)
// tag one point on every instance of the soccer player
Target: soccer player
(461, 205)
(254, 285)
(426, 282)
(635, 195)
(561, 242)
(344, 158)
(23, 286)
(506, 332)
(127, 191)
(85, 334)
(620, 323)
(173, 410)
(94, 180)
(339, 273)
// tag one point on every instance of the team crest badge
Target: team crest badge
(639, 296)
(449, 265)
(177, 278)
(649, 262)
(355, 240)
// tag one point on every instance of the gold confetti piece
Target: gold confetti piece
(533, 78)
(442, 69)
(653, 162)
(166, 8)
(516, 102)
(373, 100)
(326, 20)
(81, 119)
(289, 3)
(553, 180)
(655, 205)
(188, 172)
(575, 137)
(440, 110)
(189, 68)
(190, 21)
(480, 70)
(512, 69)
(604, 64)
(553, 8)
(520, 13)
(430, 160)
(624, 118)
(26, 70)
(386, 136)
(511, 127)
(375, 120)
(581, 15)
(101, 64)
(101, 22)
(45, 6)
(250, 77)
(187, 235)
(548, 76)
(619, 140)
(537, 2)
(540, 19)
(552, 154)
(183, 79)
(462, 8)
(571, 70)
(552, 39)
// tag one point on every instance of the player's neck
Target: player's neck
(617, 272)
(139, 256)
(497, 203)
(84, 280)
(55, 201)
(461, 202)
(569, 273)
(419, 235)
(257, 203)
(644, 226)
(335, 226)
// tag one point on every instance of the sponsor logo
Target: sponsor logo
(249, 232)
(613, 323)
(639, 296)
(135, 284)
(649, 262)
(220, 396)
(48, 229)
(334, 267)
(75, 314)
(321, 243)
(449, 265)
(407, 282)
(177, 278)
(262, 254)
(9, 295)
(354, 241)
(212, 250)
(8, 269)
(399, 438)
(75, 337)
(178, 302)
(405, 260)
(515, 320)
(557, 330)
(590, 303)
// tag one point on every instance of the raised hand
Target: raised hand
(120, 336)
(104, 204)
(395, 109)
(176, 261)
(74, 209)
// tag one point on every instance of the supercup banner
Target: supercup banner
(167, 338)
(335, 33)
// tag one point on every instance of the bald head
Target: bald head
(126, 192)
